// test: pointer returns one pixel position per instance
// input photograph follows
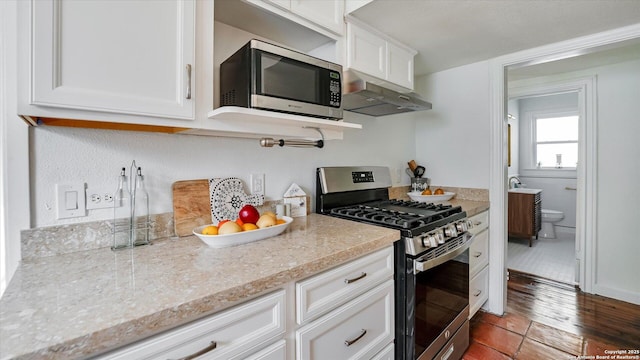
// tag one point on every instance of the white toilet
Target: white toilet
(549, 218)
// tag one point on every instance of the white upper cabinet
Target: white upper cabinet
(123, 57)
(374, 54)
(400, 65)
(326, 13)
(366, 52)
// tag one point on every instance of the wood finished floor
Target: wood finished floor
(549, 320)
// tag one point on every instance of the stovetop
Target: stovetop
(412, 218)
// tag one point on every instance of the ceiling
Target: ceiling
(451, 33)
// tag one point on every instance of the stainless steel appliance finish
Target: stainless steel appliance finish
(265, 76)
(431, 258)
(364, 97)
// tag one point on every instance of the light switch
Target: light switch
(70, 200)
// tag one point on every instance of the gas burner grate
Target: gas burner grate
(395, 213)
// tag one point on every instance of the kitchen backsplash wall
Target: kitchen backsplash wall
(69, 238)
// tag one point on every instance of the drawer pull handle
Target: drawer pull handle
(349, 281)
(351, 342)
(477, 293)
(188, 96)
(477, 223)
(477, 254)
(211, 346)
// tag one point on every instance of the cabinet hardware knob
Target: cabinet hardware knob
(211, 346)
(477, 254)
(188, 96)
(351, 342)
(349, 281)
(477, 293)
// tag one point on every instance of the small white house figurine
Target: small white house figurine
(297, 198)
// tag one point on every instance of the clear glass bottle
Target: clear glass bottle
(122, 214)
(140, 215)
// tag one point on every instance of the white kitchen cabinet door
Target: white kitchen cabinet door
(366, 52)
(400, 65)
(232, 334)
(326, 13)
(127, 57)
(357, 330)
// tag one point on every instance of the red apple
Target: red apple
(249, 214)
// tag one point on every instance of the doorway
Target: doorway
(586, 223)
(545, 127)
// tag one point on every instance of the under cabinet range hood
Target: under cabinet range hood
(367, 98)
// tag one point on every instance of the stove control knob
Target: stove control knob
(469, 224)
(440, 237)
(432, 240)
(461, 226)
(450, 231)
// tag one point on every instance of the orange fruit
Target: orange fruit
(426, 192)
(239, 222)
(280, 221)
(439, 191)
(249, 226)
(210, 230)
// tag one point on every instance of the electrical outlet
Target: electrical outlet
(99, 198)
(257, 184)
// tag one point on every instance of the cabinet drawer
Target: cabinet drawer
(480, 222)
(358, 330)
(277, 351)
(478, 291)
(319, 294)
(479, 253)
(237, 332)
(387, 353)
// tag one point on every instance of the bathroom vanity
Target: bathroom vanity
(525, 213)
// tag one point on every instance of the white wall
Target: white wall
(60, 155)
(452, 139)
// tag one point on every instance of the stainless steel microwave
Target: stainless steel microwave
(269, 77)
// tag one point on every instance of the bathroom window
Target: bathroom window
(555, 141)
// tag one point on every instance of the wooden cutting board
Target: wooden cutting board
(191, 205)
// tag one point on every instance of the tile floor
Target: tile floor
(515, 336)
(548, 258)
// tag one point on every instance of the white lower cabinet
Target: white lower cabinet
(277, 351)
(231, 334)
(479, 263)
(358, 330)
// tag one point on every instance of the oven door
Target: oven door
(441, 307)
(437, 305)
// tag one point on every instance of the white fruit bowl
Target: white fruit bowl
(243, 237)
(417, 196)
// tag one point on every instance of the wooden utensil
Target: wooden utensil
(412, 165)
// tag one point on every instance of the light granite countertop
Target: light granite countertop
(84, 303)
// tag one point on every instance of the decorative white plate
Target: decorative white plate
(416, 196)
(228, 197)
(243, 237)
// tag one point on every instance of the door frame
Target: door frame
(498, 98)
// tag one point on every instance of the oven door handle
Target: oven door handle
(420, 266)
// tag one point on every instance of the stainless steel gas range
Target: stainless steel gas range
(431, 258)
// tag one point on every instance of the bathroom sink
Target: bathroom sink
(525, 190)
